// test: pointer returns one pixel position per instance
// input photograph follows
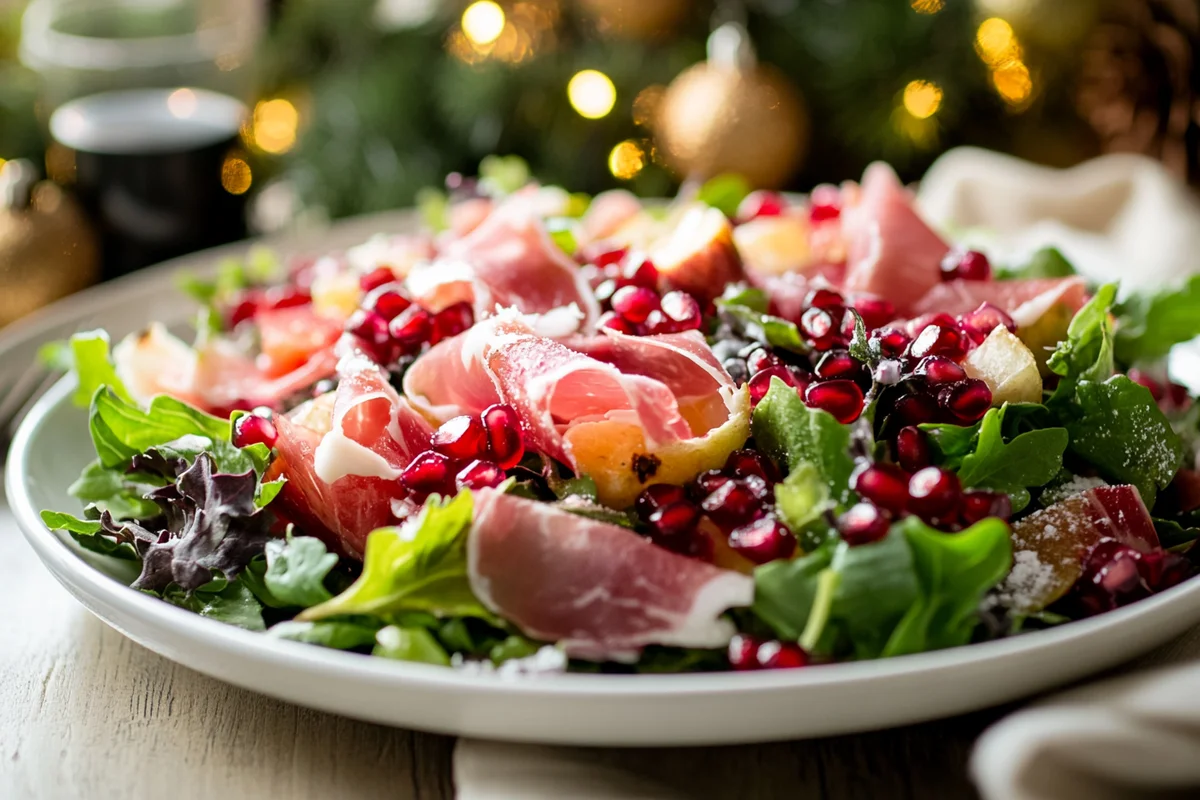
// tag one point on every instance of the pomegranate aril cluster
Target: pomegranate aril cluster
(1115, 574)
(738, 499)
(467, 452)
(748, 652)
(391, 327)
(627, 285)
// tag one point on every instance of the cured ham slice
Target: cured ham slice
(1026, 301)
(891, 252)
(600, 590)
(607, 213)
(342, 459)
(625, 410)
(507, 261)
(289, 337)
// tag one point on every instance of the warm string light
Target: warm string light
(922, 99)
(274, 126)
(591, 93)
(626, 160)
(999, 48)
(927, 6)
(235, 175)
(483, 22)
(511, 35)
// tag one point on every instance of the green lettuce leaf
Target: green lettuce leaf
(763, 327)
(232, 603)
(953, 571)
(116, 491)
(1117, 427)
(94, 368)
(1149, 325)
(794, 434)
(420, 567)
(1030, 459)
(89, 535)
(121, 430)
(784, 591)
(803, 498)
(410, 644)
(876, 587)
(335, 634)
(1045, 263)
(296, 570)
(725, 192)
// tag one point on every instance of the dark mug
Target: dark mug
(159, 171)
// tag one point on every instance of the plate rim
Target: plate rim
(73, 572)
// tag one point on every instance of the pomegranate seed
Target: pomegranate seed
(387, 302)
(939, 369)
(1162, 570)
(607, 257)
(763, 540)
(614, 321)
(429, 472)
(451, 321)
(711, 480)
(682, 311)
(1178, 395)
(743, 652)
(821, 212)
(914, 326)
(760, 359)
(372, 329)
(1119, 575)
(936, 340)
(885, 485)
(411, 329)
(505, 442)
(912, 451)
(933, 493)
(736, 501)
(841, 398)
(760, 382)
(479, 474)
(244, 310)
(863, 523)
(462, 438)
(968, 400)
(675, 520)
(875, 311)
(889, 342)
(982, 321)
(254, 429)
(915, 409)
(637, 270)
(751, 462)
(761, 204)
(634, 303)
(817, 324)
(376, 278)
(826, 299)
(781, 655)
(980, 504)
(968, 266)
(838, 364)
(657, 496)
(605, 290)
(1156, 388)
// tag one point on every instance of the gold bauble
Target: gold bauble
(47, 249)
(633, 19)
(717, 118)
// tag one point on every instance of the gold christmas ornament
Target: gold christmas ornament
(47, 250)
(732, 114)
(633, 19)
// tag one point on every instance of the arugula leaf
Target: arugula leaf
(89, 534)
(410, 644)
(794, 434)
(1118, 428)
(763, 327)
(953, 571)
(1087, 354)
(803, 498)
(338, 635)
(1030, 459)
(419, 567)
(121, 430)
(950, 443)
(119, 493)
(860, 346)
(296, 570)
(725, 192)
(1149, 325)
(233, 604)
(1045, 263)
(94, 367)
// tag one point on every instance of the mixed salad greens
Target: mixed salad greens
(865, 477)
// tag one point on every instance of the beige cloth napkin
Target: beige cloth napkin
(1135, 736)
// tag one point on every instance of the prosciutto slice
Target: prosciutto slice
(507, 261)
(342, 459)
(891, 252)
(1024, 300)
(600, 590)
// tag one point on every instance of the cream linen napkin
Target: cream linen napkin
(1117, 217)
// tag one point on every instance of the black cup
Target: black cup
(158, 170)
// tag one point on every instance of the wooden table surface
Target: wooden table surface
(86, 713)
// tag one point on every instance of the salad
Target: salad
(736, 431)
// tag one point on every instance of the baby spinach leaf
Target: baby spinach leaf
(410, 644)
(1029, 459)
(420, 567)
(953, 572)
(794, 434)
(233, 604)
(296, 570)
(1087, 354)
(784, 591)
(1150, 324)
(1118, 428)
(877, 585)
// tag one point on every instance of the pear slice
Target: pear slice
(1007, 366)
(774, 245)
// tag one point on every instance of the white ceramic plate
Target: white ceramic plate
(53, 445)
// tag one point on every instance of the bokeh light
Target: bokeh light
(927, 6)
(996, 42)
(483, 22)
(275, 125)
(922, 99)
(646, 105)
(182, 103)
(626, 160)
(1013, 83)
(235, 175)
(591, 93)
